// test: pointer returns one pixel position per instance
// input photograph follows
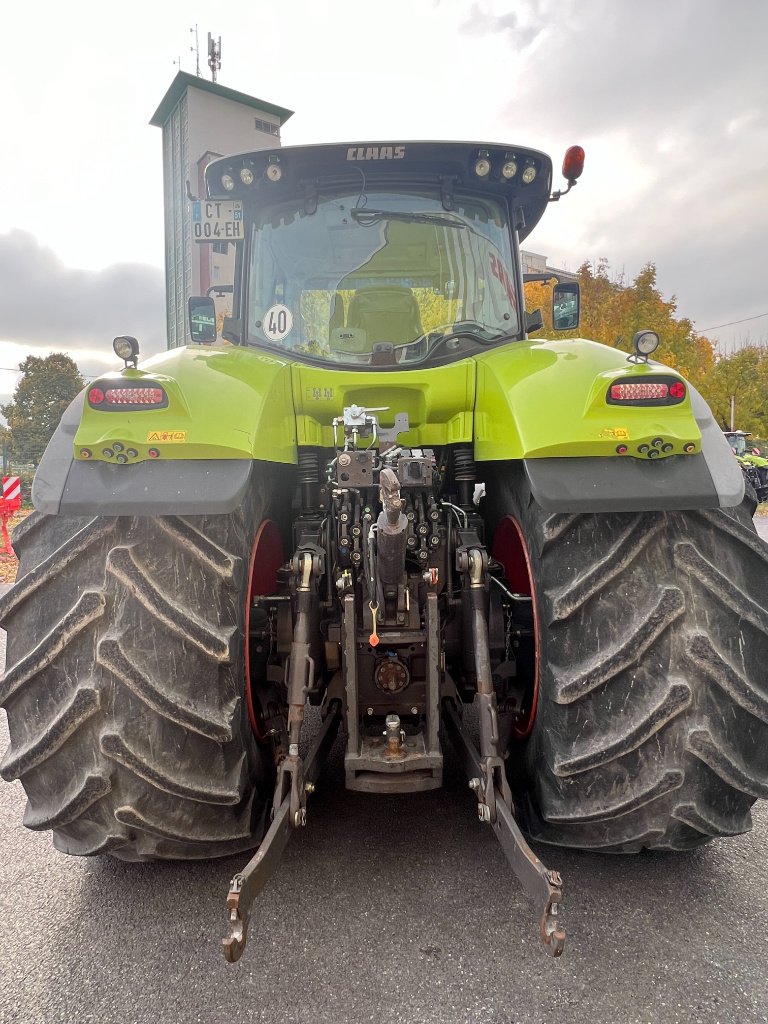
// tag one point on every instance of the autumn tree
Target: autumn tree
(612, 312)
(46, 388)
(742, 375)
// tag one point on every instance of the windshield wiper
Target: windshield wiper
(369, 217)
(490, 340)
(470, 330)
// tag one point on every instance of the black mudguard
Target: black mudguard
(711, 479)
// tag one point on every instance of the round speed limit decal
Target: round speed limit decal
(278, 321)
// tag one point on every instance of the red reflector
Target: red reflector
(135, 396)
(633, 392)
(677, 390)
(95, 396)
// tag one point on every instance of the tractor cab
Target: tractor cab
(737, 439)
(398, 255)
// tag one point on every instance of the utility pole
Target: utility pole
(214, 55)
(733, 412)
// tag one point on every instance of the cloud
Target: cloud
(47, 305)
(482, 21)
(666, 99)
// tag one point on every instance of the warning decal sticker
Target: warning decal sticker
(167, 436)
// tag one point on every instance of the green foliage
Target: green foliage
(26, 476)
(743, 374)
(46, 388)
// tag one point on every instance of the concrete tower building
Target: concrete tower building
(201, 121)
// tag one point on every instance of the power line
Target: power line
(703, 330)
(15, 369)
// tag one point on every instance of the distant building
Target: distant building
(201, 121)
(535, 263)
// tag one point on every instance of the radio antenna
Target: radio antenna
(214, 55)
(196, 50)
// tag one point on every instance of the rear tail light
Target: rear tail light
(630, 392)
(109, 398)
(135, 396)
(669, 391)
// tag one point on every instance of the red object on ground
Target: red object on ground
(9, 503)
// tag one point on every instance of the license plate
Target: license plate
(217, 220)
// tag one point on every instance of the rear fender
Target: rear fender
(226, 408)
(545, 403)
(64, 486)
(709, 479)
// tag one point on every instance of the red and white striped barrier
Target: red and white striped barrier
(9, 503)
(12, 489)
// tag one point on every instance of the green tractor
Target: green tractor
(377, 495)
(754, 466)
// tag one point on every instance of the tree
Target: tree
(612, 312)
(46, 388)
(743, 375)
(5, 447)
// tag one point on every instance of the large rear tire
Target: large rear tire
(124, 683)
(651, 725)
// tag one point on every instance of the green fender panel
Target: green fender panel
(223, 403)
(229, 409)
(547, 399)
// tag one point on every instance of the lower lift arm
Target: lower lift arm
(541, 884)
(485, 769)
(296, 779)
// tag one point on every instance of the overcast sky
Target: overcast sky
(668, 98)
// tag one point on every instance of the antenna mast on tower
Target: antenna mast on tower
(214, 55)
(196, 50)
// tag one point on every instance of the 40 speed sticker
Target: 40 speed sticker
(278, 322)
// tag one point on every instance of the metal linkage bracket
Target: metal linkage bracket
(485, 768)
(294, 782)
(295, 777)
(359, 421)
(545, 887)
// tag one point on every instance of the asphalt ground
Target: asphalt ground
(391, 909)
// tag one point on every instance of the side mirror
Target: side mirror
(565, 305)
(202, 319)
(533, 321)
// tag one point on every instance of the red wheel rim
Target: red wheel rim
(266, 559)
(510, 549)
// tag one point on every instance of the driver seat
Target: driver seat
(386, 313)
